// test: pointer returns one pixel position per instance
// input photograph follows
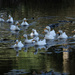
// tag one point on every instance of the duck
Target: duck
(48, 35)
(18, 44)
(28, 41)
(34, 33)
(39, 42)
(62, 34)
(73, 32)
(24, 23)
(1, 19)
(10, 20)
(15, 27)
(52, 33)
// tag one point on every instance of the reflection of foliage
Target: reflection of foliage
(27, 60)
(57, 57)
(28, 7)
(6, 59)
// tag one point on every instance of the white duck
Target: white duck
(28, 40)
(52, 33)
(48, 35)
(18, 44)
(39, 42)
(34, 33)
(62, 34)
(15, 27)
(24, 23)
(1, 18)
(10, 20)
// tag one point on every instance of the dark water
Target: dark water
(58, 56)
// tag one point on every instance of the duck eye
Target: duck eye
(58, 33)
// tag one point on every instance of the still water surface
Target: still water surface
(58, 56)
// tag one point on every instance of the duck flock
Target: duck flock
(50, 37)
(49, 34)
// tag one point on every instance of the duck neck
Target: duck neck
(49, 29)
(48, 32)
(35, 32)
(26, 37)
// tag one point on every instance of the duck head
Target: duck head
(1, 16)
(45, 31)
(73, 31)
(33, 31)
(59, 32)
(47, 28)
(17, 23)
(24, 35)
(25, 19)
(16, 41)
(9, 16)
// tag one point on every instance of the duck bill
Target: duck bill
(22, 37)
(45, 28)
(9, 17)
(25, 20)
(17, 23)
(58, 32)
(16, 42)
(2, 17)
(73, 31)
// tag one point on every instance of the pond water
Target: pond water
(57, 57)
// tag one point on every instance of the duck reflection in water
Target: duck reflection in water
(26, 49)
(24, 28)
(42, 72)
(27, 46)
(50, 42)
(39, 47)
(16, 33)
(17, 72)
(36, 51)
(17, 52)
